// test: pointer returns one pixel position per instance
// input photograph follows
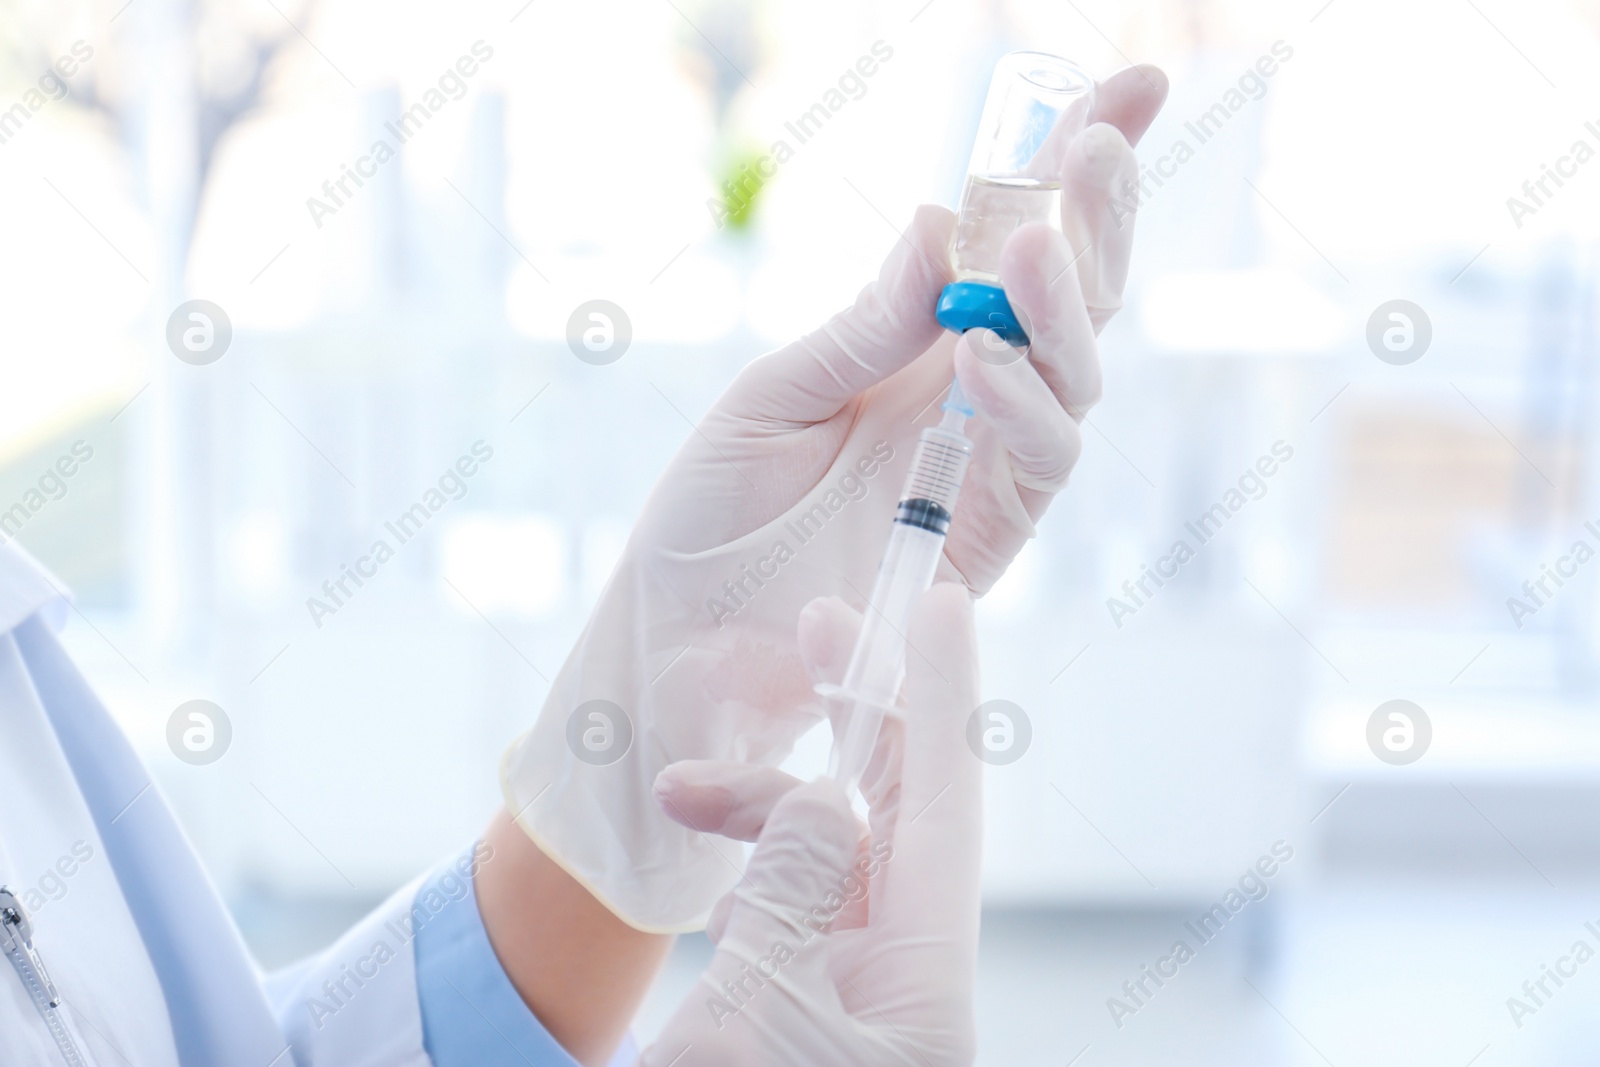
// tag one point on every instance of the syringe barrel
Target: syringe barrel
(916, 540)
(937, 468)
(878, 663)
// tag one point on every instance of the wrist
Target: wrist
(580, 968)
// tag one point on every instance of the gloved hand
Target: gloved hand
(898, 989)
(787, 489)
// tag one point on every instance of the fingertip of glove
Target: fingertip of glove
(1132, 98)
(1156, 78)
(951, 597)
(826, 636)
(697, 805)
(821, 611)
(943, 621)
(1102, 164)
(934, 220)
(1147, 85)
(1032, 258)
(1102, 149)
(1034, 240)
(985, 382)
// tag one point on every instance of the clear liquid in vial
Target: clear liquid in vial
(991, 210)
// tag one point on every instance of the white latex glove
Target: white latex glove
(787, 490)
(897, 990)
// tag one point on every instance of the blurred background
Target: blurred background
(380, 331)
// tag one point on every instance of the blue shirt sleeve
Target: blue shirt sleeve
(471, 1013)
(472, 1016)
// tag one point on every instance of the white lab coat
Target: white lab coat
(149, 966)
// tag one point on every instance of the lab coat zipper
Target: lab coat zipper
(16, 941)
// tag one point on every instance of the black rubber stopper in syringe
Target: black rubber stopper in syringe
(924, 515)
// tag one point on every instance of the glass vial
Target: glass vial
(1037, 104)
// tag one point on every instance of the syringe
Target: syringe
(916, 540)
(1036, 104)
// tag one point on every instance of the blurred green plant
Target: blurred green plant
(740, 183)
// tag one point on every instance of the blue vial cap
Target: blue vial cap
(967, 306)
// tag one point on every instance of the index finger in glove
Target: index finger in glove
(721, 796)
(1041, 438)
(891, 323)
(1130, 99)
(1034, 403)
(733, 798)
